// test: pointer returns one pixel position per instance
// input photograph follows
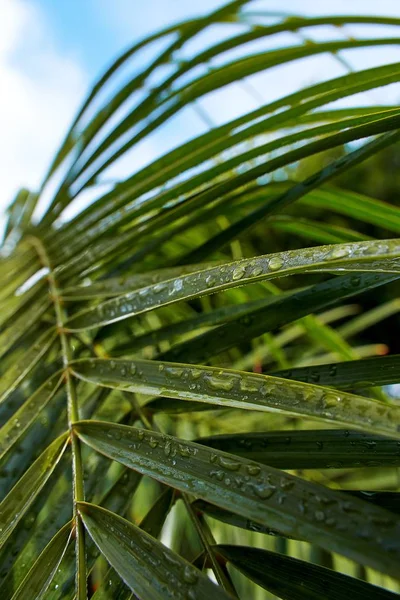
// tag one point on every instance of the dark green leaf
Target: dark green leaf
(320, 449)
(268, 496)
(294, 579)
(41, 574)
(150, 569)
(17, 502)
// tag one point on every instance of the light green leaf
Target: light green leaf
(373, 256)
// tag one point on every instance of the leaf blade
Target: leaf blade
(145, 565)
(309, 511)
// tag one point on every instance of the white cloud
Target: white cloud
(41, 88)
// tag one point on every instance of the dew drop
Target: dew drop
(275, 263)
(178, 285)
(175, 372)
(189, 574)
(247, 386)
(238, 273)
(219, 383)
(184, 451)
(256, 271)
(210, 281)
(338, 253)
(330, 400)
(253, 470)
(228, 463)
(264, 491)
(167, 448)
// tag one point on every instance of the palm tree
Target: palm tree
(178, 399)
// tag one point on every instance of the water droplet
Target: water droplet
(338, 253)
(275, 263)
(264, 491)
(175, 372)
(257, 270)
(319, 516)
(112, 365)
(132, 369)
(286, 484)
(184, 451)
(218, 475)
(210, 281)
(246, 385)
(228, 463)
(140, 434)
(160, 287)
(238, 273)
(330, 400)
(189, 574)
(333, 370)
(178, 285)
(253, 470)
(153, 442)
(167, 448)
(218, 383)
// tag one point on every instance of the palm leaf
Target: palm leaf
(124, 332)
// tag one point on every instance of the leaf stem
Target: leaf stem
(72, 413)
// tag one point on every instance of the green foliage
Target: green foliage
(185, 389)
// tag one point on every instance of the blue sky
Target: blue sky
(52, 51)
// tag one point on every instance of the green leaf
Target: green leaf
(357, 206)
(214, 317)
(150, 569)
(20, 369)
(17, 502)
(294, 579)
(293, 194)
(261, 493)
(25, 416)
(237, 520)
(41, 574)
(319, 449)
(365, 373)
(249, 391)
(278, 312)
(312, 230)
(154, 520)
(354, 257)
